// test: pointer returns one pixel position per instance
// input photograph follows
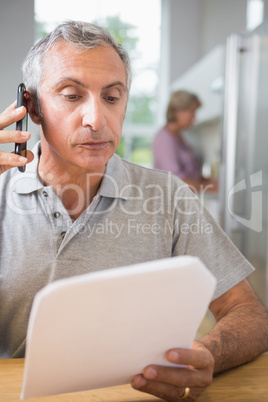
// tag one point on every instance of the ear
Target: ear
(32, 110)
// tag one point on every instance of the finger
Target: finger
(9, 160)
(11, 114)
(178, 376)
(8, 136)
(30, 157)
(164, 391)
(198, 358)
(157, 389)
(12, 159)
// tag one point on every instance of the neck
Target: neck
(174, 129)
(75, 187)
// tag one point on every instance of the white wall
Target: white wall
(185, 27)
(197, 26)
(220, 18)
(199, 29)
(16, 37)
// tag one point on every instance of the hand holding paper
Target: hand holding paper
(80, 326)
(166, 382)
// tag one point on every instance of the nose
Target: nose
(93, 114)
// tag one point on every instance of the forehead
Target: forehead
(100, 62)
(191, 109)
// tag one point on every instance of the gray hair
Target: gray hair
(181, 100)
(81, 35)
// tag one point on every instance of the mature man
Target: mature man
(80, 208)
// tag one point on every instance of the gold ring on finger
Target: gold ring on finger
(185, 394)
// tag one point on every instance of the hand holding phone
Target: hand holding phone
(21, 125)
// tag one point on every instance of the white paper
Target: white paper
(100, 329)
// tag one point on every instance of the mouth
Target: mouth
(93, 144)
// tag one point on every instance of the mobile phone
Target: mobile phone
(21, 125)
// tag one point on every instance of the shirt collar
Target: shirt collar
(115, 183)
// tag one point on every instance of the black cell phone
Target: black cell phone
(21, 125)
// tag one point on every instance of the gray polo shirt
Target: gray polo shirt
(138, 215)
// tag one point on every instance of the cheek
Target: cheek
(50, 124)
(54, 120)
(115, 124)
(118, 136)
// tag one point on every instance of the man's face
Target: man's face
(83, 100)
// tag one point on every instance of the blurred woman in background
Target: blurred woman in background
(170, 150)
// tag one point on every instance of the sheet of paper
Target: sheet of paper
(100, 329)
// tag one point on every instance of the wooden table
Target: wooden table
(245, 383)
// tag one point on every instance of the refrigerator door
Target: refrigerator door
(244, 167)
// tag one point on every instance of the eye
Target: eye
(111, 99)
(72, 97)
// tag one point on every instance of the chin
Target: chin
(95, 164)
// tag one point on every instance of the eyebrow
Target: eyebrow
(115, 84)
(75, 81)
